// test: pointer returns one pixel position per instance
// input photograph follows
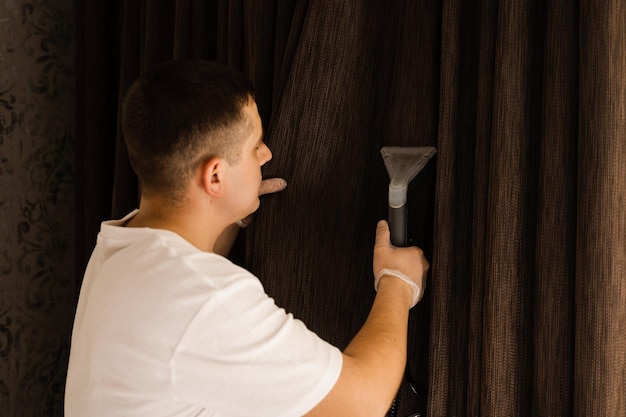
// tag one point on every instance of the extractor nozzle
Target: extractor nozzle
(403, 163)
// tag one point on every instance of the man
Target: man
(167, 326)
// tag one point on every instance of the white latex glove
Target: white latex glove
(408, 264)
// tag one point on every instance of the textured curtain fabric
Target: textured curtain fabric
(600, 297)
(521, 211)
(358, 77)
(529, 299)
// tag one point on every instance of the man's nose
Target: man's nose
(266, 154)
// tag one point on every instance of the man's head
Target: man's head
(179, 115)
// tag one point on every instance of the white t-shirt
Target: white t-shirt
(164, 329)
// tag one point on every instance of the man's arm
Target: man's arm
(225, 242)
(374, 361)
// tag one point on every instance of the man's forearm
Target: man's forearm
(225, 242)
(380, 346)
(374, 361)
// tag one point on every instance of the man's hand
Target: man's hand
(224, 243)
(408, 264)
(272, 185)
(268, 186)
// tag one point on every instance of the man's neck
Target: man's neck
(197, 227)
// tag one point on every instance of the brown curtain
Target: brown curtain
(529, 299)
(521, 211)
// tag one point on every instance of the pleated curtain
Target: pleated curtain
(521, 212)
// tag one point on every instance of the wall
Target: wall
(37, 274)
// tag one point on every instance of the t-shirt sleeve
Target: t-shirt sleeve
(244, 356)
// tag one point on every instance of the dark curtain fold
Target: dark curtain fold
(356, 82)
(521, 211)
(506, 211)
(529, 237)
(97, 65)
(600, 297)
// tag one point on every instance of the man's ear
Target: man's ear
(213, 176)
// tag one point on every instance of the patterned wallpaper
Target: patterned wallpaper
(37, 277)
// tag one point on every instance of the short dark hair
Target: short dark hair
(180, 114)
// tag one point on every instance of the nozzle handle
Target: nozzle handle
(397, 225)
